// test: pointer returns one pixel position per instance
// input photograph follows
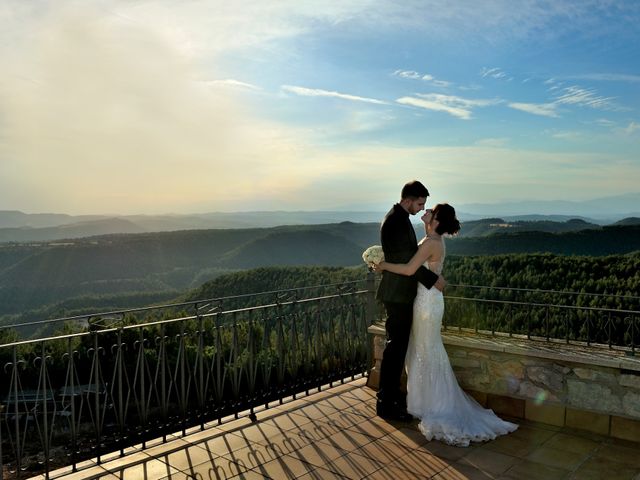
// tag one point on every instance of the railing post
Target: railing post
(14, 382)
(370, 314)
(371, 297)
(119, 366)
(182, 358)
(143, 393)
(162, 365)
(96, 386)
(201, 386)
(633, 335)
(42, 390)
(72, 393)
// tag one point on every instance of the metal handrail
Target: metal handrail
(163, 375)
(535, 304)
(180, 319)
(619, 328)
(111, 313)
(539, 290)
(122, 385)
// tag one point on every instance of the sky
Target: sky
(149, 107)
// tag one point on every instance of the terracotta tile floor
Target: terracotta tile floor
(335, 434)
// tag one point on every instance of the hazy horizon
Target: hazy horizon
(163, 106)
(600, 206)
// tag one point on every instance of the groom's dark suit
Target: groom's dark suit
(397, 292)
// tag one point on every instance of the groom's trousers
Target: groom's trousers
(398, 328)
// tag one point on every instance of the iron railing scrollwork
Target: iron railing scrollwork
(67, 398)
(614, 328)
(117, 379)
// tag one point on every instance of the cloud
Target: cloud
(104, 105)
(492, 142)
(230, 82)
(437, 106)
(413, 75)
(607, 77)
(632, 128)
(543, 109)
(441, 83)
(316, 92)
(567, 135)
(102, 115)
(572, 95)
(457, 106)
(604, 122)
(575, 95)
(495, 72)
(407, 74)
(472, 87)
(458, 174)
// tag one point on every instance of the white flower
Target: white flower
(373, 255)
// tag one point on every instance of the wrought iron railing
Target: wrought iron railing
(562, 320)
(537, 295)
(116, 379)
(140, 374)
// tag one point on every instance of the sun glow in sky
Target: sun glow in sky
(111, 106)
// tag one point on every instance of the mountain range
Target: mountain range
(20, 227)
(33, 275)
(23, 227)
(602, 210)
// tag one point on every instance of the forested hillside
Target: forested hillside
(611, 275)
(490, 226)
(605, 241)
(53, 278)
(615, 277)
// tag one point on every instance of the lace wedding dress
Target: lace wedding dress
(445, 411)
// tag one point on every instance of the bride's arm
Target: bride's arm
(408, 269)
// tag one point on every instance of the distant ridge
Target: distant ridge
(22, 227)
(310, 247)
(91, 226)
(38, 274)
(71, 230)
(609, 209)
(490, 226)
(629, 221)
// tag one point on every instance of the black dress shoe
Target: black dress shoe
(400, 416)
(393, 412)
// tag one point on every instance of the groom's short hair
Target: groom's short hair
(414, 189)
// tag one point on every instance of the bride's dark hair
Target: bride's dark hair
(447, 221)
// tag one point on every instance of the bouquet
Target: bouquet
(373, 255)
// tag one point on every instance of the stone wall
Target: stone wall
(577, 385)
(566, 385)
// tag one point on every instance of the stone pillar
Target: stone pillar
(378, 338)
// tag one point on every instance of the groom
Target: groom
(397, 293)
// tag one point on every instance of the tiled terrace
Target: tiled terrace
(335, 434)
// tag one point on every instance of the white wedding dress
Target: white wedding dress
(445, 411)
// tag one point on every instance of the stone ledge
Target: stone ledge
(596, 355)
(589, 387)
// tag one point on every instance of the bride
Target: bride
(445, 411)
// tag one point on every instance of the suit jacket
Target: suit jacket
(399, 244)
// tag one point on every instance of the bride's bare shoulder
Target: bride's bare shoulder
(430, 245)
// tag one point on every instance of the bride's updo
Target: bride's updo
(447, 221)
